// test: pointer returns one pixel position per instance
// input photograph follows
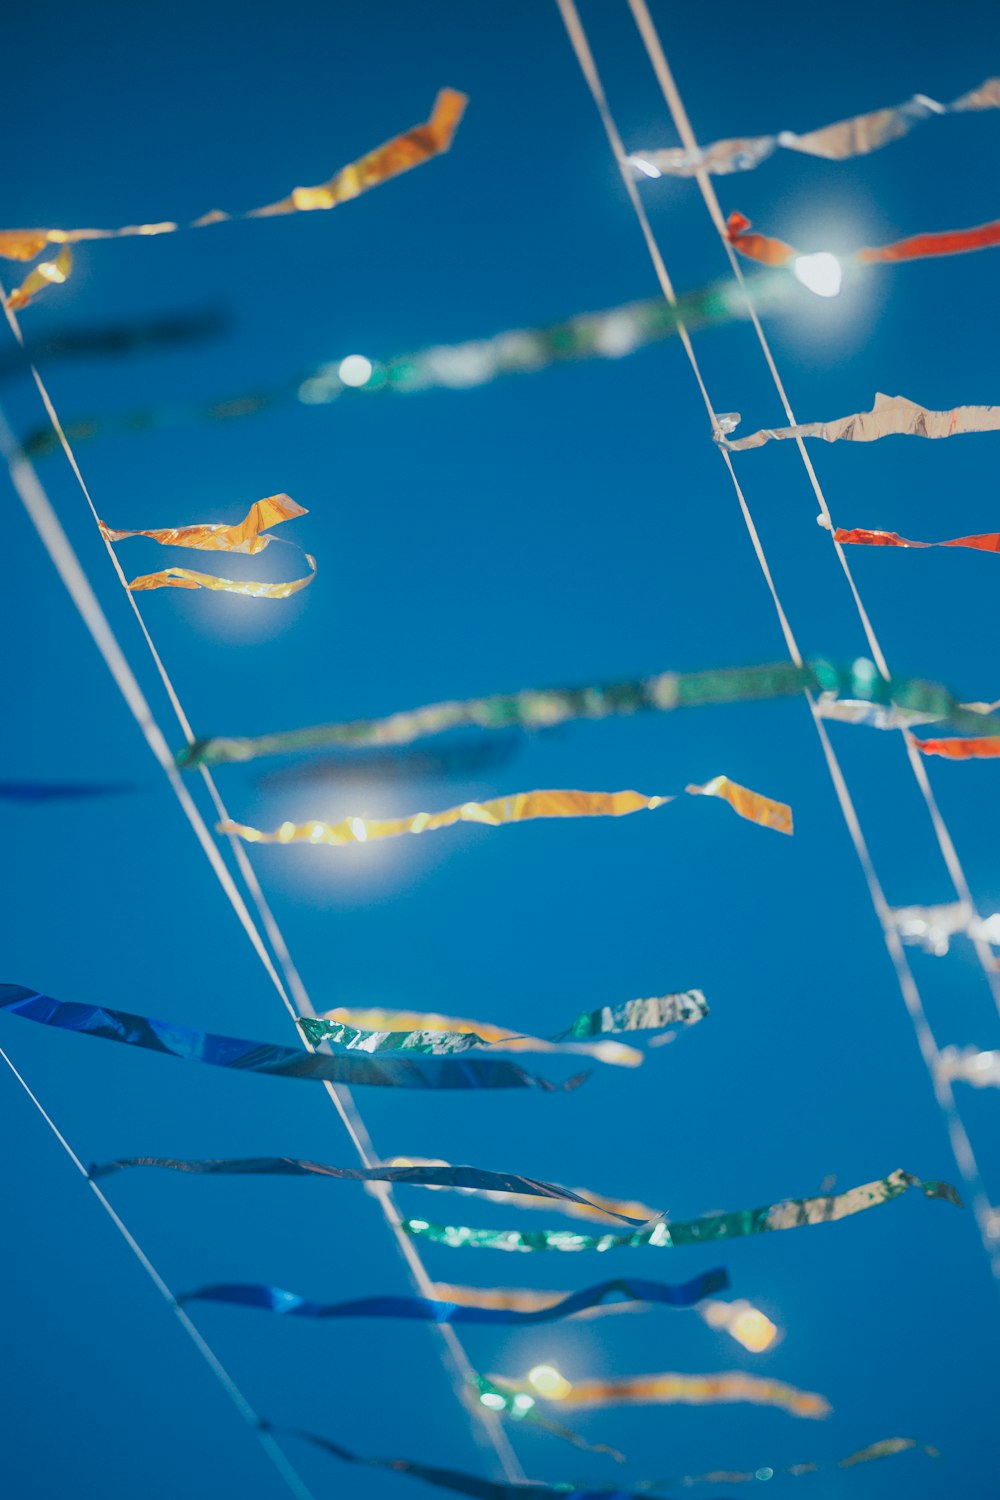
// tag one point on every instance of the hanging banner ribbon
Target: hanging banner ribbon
(262, 1057)
(891, 416)
(411, 1174)
(386, 767)
(874, 715)
(596, 1207)
(988, 542)
(411, 149)
(689, 1390)
(519, 807)
(421, 1309)
(969, 1065)
(857, 136)
(961, 749)
(47, 273)
(376, 1030)
(61, 791)
(772, 252)
(933, 927)
(247, 536)
(793, 1213)
(884, 1448)
(534, 709)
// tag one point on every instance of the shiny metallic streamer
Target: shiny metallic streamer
(46, 274)
(768, 251)
(857, 136)
(422, 1309)
(671, 1389)
(519, 807)
(373, 1031)
(544, 708)
(263, 1057)
(792, 1213)
(186, 578)
(988, 542)
(974, 748)
(596, 1207)
(891, 416)
(398, 155)
(884, 1448)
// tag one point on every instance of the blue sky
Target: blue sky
(569, 527)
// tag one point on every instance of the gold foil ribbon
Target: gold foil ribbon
(47, 273)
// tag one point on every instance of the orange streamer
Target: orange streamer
(921, 246)
(244, 537)
(186, 578)
(758, 247)
(988, 542)
(47, 273)
(984, 748)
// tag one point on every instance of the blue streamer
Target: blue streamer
(444, 1176)
(423, 1310)
(263, 1057)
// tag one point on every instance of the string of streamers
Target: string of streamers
(399, 1031)
(544, 708)
(421, 1309)
(487, 1489)
(593, 1206)
(671, 1389)
(403, 152)
(857, 136)
(613, 333)
(969, 1065)
(772, 252)
(891, 416)
(248, 536)
(988, 542)
(263, 1057)
(974, 748)
(520, 807)
(933, 927)
(791, 1213)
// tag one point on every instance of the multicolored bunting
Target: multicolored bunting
(430, 1175)
(690, 1390)
(975, 748)
(403, 1031)
(519, 807)
(988, 542)
(933, 927)
(47, 273)
(422, 1309)
(857, 136)
(969, 1065)
(248, 536)
(772, 252)
(411, 149)
(533, 709)
(792, 1213)
(263, 1057)
(468, 1484)
(891, 416)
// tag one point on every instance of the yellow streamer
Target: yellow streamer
(615, 1053)
(671, 1389)
(47, 273)
(186, 578)
(414, 147)
(244, 537)
(520, 807)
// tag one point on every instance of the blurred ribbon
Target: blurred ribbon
(772, 252)
(544, 708)
(395, 1031)
(519, 807)
(422, 1309)
(247, 536)
(969, 1065)
(112, 341)
(59, 791)
(262, 1057)
(856, 136)
(792, 1213)
(689, 1390)
(47, 273)
(891, 416)
(386, 766)
(414, 147)
(988, 542)
(933, 927)
(884, 1448)
(977, 748)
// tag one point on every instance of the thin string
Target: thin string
(675, 104)
(282, 1463)
(41, 512)
(986, 1217)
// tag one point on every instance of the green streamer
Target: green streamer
(792, 1213)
